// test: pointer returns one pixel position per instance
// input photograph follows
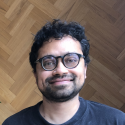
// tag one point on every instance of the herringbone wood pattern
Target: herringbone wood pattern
(104, 22)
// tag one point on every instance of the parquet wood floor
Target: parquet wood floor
(104, 22)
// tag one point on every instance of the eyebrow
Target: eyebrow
(59, 55)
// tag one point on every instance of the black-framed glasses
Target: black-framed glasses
(69, 60)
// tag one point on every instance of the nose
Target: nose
(60, 69)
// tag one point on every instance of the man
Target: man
(59, 58)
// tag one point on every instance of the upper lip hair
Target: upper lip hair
(60, 80)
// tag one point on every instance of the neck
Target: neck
(59, 112)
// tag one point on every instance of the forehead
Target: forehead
(60, 47)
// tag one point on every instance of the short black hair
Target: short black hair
(58, 29)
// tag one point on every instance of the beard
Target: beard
(61, 93)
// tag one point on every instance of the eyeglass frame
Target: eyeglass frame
(62, 57)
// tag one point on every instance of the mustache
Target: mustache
(71, 76)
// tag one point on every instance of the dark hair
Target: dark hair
(58, 29)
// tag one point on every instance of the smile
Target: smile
(60, 81)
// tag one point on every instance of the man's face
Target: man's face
(60, 84)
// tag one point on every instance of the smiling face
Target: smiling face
(60, 84)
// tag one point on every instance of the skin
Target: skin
(53, 111)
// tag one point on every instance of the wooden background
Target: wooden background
(104, 22)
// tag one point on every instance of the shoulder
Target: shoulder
(20, 117)
(106, 112)
(103, 113)
(102, 107)
(17, 118)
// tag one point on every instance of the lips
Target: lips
(60, 81)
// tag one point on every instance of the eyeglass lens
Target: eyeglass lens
(69, 60)
(49, 62)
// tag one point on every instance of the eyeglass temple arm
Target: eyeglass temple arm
(36, 61)
(82, 56)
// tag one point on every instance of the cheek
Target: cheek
(40, 73)
(80, 72)
(41, 76)
(81, 76)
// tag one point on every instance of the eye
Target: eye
(49, 63)
(71, 60)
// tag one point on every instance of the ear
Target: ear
(34, 74)
(35, 77)
(85, 72)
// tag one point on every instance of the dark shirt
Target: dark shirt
(89, 113)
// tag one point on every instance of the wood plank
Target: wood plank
(102, 10)
(119, 6)
(106, 29)
(15, 69)
(38, 92)
(110, 74)
(107, 60)
(32, 99)
(121, 56)
(5, 65)
(110, 2)
(106, 78)
(106, 94)
(20, 34)
(52, 1)
(3, 54)
(122, 74)
(6, 94)
(14, 9)
(87, 92)
(6, 110)
(15, 25)
(23, 75)
(64, 4)
(21, 49)
(4, 22)
(5, 48)
(8, 2)
(121, 40)
(3, 6)
(107, 86)
(123, 108)
(46, 7)
(122, 91)
(4, 36)
(102, 99)
(35, 28)
(5, 79)
(76, 13)
(120, 23)
(39, 16)
(24, 93)
(22, 18)
(103, 43)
